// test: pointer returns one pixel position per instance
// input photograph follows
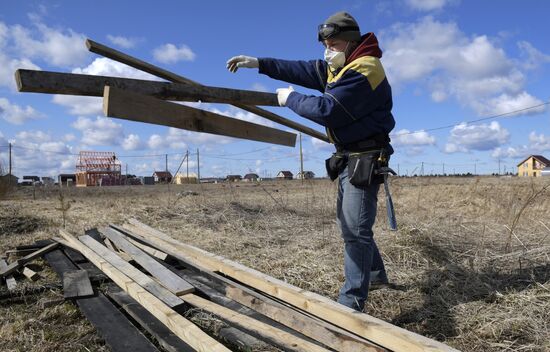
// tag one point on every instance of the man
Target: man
(355, 109)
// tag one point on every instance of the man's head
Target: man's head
(341, 26)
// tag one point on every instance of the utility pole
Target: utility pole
(9, 177)
(443, 169)
(198, 167)
(10, 161)
(422, 169)
(126, 179)
(301, 159)
(499, 166)
(187, 158)
(166, 156)
(398, 173)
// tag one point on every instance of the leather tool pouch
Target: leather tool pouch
(362, 168)
(335, 164)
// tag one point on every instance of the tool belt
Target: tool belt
(362, 159)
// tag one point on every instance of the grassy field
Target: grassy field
(472, 254)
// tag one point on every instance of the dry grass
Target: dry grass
(473, 254)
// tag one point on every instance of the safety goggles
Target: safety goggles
(329, 30)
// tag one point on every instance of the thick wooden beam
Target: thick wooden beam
(137, 107)
(166, 277)
(170, 76)
(91, 85)
(371, 328)
(21, 262)
(180, 326)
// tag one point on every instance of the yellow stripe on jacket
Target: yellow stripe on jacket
(368, 66)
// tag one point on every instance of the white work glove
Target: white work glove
(282, 95)
(235, 62)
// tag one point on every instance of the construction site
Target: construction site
(220, 267)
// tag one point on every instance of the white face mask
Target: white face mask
(336, 59)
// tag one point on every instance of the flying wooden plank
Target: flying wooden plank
(137, 107)
(166, 277)
(22, 261)
(170, 76)
(91, 85)
(180, 326)
(371, 328)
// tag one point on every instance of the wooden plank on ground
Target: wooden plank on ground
(166, 338)
(10, 280)
(138, 107)
(182, 327)
(166, 277)
(21, 262)
(152, 251)
(76, 284)
(117, 331)
(364, 325)
(129, 270)
(319, 330)
(330, 335)
(30, 274)
(170, 76)
(92, 85)
(254, 327)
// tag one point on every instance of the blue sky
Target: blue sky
(448, 61)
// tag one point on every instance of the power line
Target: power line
(476, 120)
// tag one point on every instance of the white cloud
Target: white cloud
(405, 137)
(103, 66)
(426, 5)
(16, 114)
(41, 154)
(169, 53)
(509, 152)
(473, 70)
(465, 138)
(80, 105)
(58, 47)
(539, 142)
(9, 65)
(132, 142)
(34, 136)
(320, 145)
(505, 103)
(101, 131)
(533, 58)
(69, 137)
(259, 87)
(156, 142)
(123, 42)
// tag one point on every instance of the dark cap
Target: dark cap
(349, 29)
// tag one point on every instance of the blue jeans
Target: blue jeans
(356, 212)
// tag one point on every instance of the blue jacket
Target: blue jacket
(356, 102)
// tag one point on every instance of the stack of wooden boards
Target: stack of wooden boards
(156, 279)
